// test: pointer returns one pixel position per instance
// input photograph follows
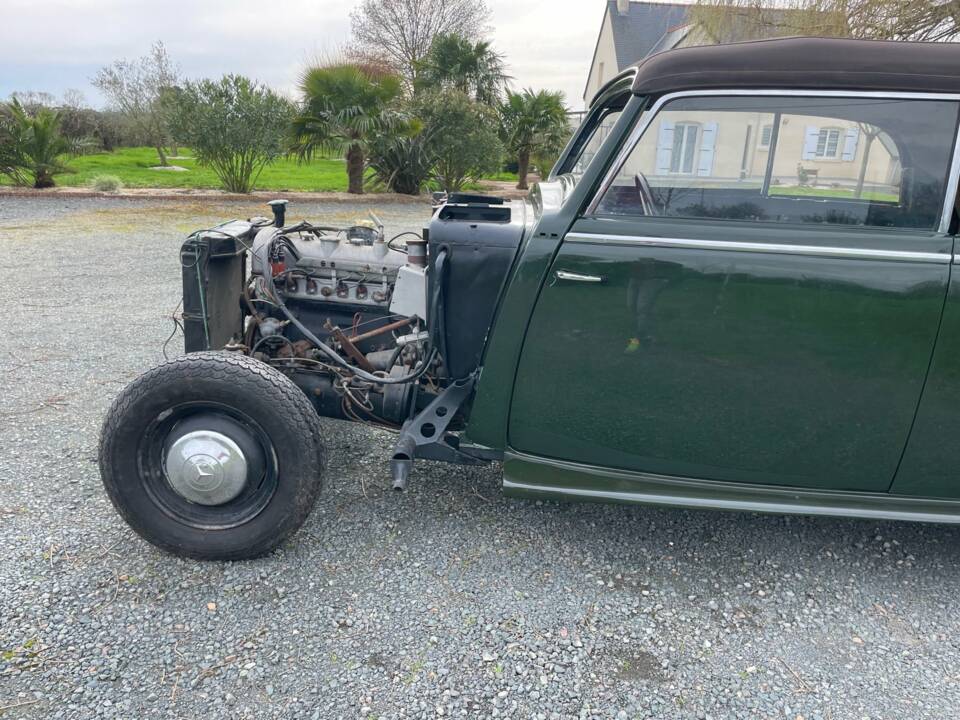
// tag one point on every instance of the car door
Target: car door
(753, 295)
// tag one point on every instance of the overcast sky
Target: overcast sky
(53, 45)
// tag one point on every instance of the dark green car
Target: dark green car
(734, 291)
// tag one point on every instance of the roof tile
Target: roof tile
(638, 31)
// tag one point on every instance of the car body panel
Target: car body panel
(735, 365)
(832, 432)
(488, 416)
(929, 467)
(540, 478)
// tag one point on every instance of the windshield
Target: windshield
(591, 134)
(598, 134)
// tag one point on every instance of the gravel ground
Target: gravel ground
(449, 600)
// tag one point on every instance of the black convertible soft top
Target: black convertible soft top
(804, 64)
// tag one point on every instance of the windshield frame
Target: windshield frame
(612, 97)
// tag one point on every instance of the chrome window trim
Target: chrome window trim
(634, 137)
(757, 247)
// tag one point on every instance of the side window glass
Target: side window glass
(847, 161)
(823, 157)
(596, 139)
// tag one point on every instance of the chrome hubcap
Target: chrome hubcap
(206, 467)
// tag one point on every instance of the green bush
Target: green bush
(401, 164)
(235, 127)
(106, 183)
(463, 137)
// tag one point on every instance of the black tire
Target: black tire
(249, 399)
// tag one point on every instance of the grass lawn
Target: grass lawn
(133, 167)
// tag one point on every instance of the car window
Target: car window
(592, 133)
(850, 161)
(597, 137)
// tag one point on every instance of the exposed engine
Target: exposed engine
(348, 266)
(376, 330)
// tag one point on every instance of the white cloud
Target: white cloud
(58, 44)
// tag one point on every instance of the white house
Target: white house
(819, 154)
(629, 32)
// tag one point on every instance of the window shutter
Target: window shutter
(810, 142)
(850, 143)
(665, 146)
(707, 144)
(766, 136)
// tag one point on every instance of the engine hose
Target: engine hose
(394, 356)
(435, 316)
(335, 356)
(269, 338)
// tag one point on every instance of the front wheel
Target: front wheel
(213, 456)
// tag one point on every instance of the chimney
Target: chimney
(623, 7)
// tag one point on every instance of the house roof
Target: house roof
(636, 32)
(805, 64)
(671, 38)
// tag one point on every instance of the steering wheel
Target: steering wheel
(647, 203)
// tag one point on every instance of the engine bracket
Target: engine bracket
(425, 435)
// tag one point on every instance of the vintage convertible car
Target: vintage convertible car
(734, 291)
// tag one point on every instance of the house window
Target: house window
(766, 136)
(685, 136)
(828, 143)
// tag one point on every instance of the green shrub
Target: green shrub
(31, 145)
(235, 127)
(83, 146)
(401, 164)
(463, 137)
(106, 183)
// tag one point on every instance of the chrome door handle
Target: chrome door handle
(577, 277)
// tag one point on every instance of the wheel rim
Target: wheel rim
(207, 465)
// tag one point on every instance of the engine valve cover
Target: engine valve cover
(340, 269)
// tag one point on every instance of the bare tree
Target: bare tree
(871, 133)
(73, 99)
(135, 87)
(906, 19)
(400, 32)
(33, 100)
(729, 20)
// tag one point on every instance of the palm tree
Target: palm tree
(533, 124)
(472, 68)
(31, 145)
(345, 107)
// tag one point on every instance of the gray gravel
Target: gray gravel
(447, 601)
